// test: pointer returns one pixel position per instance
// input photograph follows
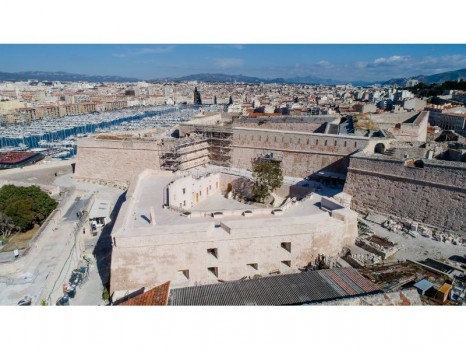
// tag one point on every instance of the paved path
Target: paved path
(58, 250)
(29, 274)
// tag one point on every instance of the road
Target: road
(59, 248)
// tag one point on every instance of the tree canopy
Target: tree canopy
(266, 176)
(425, 90)
(25, 206)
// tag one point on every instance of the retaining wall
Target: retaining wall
(434, 195)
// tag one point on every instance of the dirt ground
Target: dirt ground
(20, 240)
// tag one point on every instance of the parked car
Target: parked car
(26, 301)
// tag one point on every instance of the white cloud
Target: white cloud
(382, 68)
(228, 62)
(391, 59)
(323, 63)
(146, 51)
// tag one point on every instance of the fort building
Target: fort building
(184, 230)
(423, 182)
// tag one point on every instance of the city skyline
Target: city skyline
(368, 62)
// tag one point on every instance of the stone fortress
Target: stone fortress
(201, 237)
(177, 223)
(424, 182)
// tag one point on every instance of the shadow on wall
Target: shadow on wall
(103, 249)
(325, 176)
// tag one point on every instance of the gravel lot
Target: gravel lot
(420, 247)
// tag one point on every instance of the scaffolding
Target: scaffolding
(207, 144)
(183, 154)
(219, 139)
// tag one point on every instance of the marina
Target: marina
(57, 137)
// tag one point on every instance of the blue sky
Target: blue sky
(342, 62)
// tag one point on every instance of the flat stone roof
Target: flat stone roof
(149, 193)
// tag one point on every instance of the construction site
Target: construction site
(210, 145)
(391, 262)
(205, 165)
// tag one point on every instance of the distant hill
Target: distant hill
(431, 79)
(219, 78)
(440, 78)
(62, 76)
(216, 78)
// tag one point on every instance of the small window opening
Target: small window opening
(213, 271)
(286, 246)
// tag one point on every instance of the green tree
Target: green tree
(267, 176)
(25, 206)
(6, 225)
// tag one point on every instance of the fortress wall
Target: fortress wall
(306, 127)
(434, 195)
(415, 131)
(302, 153)
(135, 256)
(115, 160)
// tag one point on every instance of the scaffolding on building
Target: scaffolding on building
(207, 144)
(220, 140)
(183, 154)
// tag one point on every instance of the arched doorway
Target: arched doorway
(379, 148)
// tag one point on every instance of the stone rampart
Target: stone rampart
(115, 160)
(302, 153)
(433, 194)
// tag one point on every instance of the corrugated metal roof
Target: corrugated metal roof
(299, 288)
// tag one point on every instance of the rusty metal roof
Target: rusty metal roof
(290, 289)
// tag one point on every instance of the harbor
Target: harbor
(56, 138)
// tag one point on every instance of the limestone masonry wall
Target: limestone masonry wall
(115, 160)
(306, 127)
(302, 153)
(134, 257)
(434, 195)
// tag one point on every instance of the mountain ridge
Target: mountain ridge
(220, 77)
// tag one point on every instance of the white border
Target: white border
(239, 21)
